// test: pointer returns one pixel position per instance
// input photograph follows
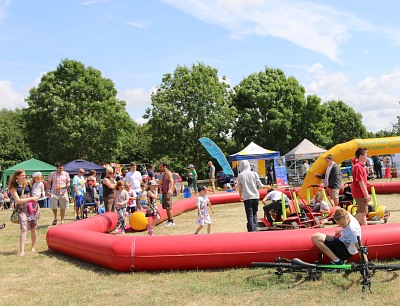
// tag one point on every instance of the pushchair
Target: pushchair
(370, 173)
(89, 204)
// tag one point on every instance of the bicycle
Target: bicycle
(314, 270)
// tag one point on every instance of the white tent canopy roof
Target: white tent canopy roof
(253, 151)
(305, 150)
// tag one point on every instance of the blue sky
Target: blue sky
(342, 49)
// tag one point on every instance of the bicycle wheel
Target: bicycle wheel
(383, 267)
(287, 265)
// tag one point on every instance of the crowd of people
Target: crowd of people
(130, 191)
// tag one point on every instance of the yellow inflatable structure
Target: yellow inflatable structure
(343, 151)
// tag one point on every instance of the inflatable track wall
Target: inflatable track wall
(343, 151)
(88, 241)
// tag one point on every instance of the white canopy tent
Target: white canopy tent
(305, 150)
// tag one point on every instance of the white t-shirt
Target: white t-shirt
(134, 178)
(275, 195)
(349, 235)
(37, 189)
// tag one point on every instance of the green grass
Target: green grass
(49, 278)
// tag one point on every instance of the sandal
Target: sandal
(54, 222)
(2, 226)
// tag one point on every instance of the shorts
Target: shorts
(337, 247)
(166, 201)
(362, 205)
(131, 209)
(205, 220)
(334, 193)
(60, 201)
(78, 201)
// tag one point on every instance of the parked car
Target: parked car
(223, 179)
(177, 178)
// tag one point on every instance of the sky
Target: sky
(338, 50)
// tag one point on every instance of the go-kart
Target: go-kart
(295, 215)
(377, 214)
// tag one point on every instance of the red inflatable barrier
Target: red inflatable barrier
(88, 241)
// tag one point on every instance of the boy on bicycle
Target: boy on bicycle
(344, 244)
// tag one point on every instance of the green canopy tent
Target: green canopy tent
(29, 166)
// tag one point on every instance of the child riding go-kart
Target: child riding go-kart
(290, 215)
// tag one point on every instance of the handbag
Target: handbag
(14, 216)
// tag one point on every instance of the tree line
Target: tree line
(74, 113)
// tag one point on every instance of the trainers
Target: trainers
(151, 230)
(340, 262)
(170, 223)
(77, 218)
(123, 232)
(115, 231)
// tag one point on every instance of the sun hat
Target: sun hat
(36, 174)
(191, 166)
(153, 183)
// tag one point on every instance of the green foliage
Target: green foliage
(74, 113)
(14, 148)
(189, 104)
(347, 123)
(273, 112)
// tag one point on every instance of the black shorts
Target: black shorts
(337, 247)
(131, 209)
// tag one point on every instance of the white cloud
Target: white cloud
(3, 6)
(137, 101)
(91, 2)
(140, 24)
(375, 97)
(316, 27)
(11, 99)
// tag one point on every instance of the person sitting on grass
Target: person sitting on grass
(344, 244)
(275, 197)
(319, 204)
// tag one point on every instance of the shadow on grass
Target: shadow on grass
(78, 262)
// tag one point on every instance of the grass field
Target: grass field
(49, 278)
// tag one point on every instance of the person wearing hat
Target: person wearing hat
(194, 176)
(37, 190)
(151, 210)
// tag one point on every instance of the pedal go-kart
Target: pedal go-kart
(294, 216)
(377, 214)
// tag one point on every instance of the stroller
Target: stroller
(89, 204)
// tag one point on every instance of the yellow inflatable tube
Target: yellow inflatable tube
(343, 151)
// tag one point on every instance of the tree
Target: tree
(74, 113)
(270, 109)
(347, 123)
(189, 104)
(314, 124)
(14, 148)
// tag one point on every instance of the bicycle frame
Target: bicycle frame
(313, 270)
